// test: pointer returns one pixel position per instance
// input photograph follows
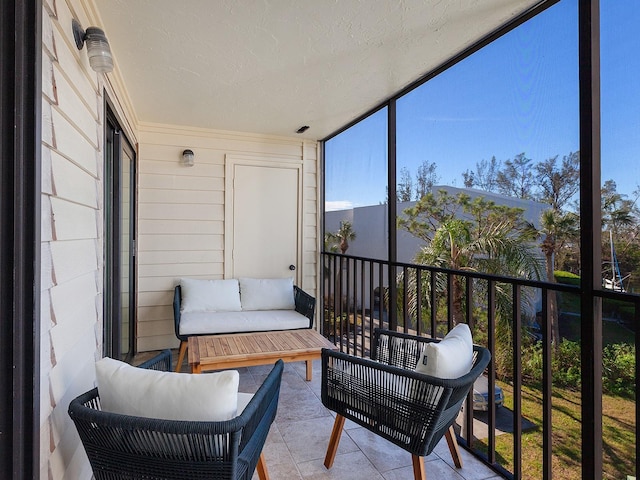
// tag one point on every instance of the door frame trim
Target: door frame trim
(233, 160)
(20, 238)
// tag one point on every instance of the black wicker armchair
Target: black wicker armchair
(127, 447)
(386, 396)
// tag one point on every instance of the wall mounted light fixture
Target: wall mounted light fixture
(188, 158)
(98, 48)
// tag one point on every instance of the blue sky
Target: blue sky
(520, 94)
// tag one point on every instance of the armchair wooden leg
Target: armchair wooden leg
(418, 468)
(263, 473)
(338, 425)
(183, 350)
(450, 435)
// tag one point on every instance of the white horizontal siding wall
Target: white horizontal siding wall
(71, 296)
(181, 214)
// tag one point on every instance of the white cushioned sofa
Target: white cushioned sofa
(209, 307)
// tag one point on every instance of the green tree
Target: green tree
(621, 217)
(484, 177)
(555, 225)
(341, 238)
(558, 183)
(405, 186)
(516, 178)
(617, 210)
(472, 235)
(426, 178)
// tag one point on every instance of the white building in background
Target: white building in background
(371, 223)
(371, 226)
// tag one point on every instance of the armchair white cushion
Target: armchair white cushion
(452, 357)
(140, 392)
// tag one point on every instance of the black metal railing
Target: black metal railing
(507, 315)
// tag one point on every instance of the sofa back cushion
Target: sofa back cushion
(267, 293)
(210, 295)
(139, 392)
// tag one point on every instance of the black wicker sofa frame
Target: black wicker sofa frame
(304, 305)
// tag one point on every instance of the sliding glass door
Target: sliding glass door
(119, 241)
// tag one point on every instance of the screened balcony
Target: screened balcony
(247, 77)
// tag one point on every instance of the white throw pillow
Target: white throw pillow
(452, 357)
(140, 392)
(267, 293)
(210, 295)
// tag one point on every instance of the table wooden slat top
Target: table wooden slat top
(214, 352)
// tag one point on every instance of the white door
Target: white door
(263, 220)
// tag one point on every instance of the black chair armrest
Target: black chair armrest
(177, 299)
(258, 416)
(161, 362)
(305, 303)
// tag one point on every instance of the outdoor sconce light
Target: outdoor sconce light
(188, 158)
(98, 48)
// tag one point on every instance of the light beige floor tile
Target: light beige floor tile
(434, 469)
(308, 439)
(348, 466)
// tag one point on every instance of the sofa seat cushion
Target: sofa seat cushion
(202, 323)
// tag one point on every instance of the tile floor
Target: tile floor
(299, 437)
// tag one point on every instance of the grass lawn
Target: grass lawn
(612, 332)
(618, 431)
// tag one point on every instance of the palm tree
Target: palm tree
(477, 235)
(340, 239)
(554, 226)
(496, 249)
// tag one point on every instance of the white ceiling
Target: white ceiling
(271, 66)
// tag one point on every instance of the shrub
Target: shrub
(618, 367)
(566, 365)
(566, 277)
(618, 370)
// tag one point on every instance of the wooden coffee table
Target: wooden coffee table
(217, 352)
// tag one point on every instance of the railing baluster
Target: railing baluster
(434, 308)
(636, 322)
(547, 377)
(381, 301)
(449, 301)
(347, 295)
(469, 299)
(336, 280)
(405, 300)
(362, 308)
(517, 381)
(419, 300)
(371, 303)
(356, 300)
(491, 374)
